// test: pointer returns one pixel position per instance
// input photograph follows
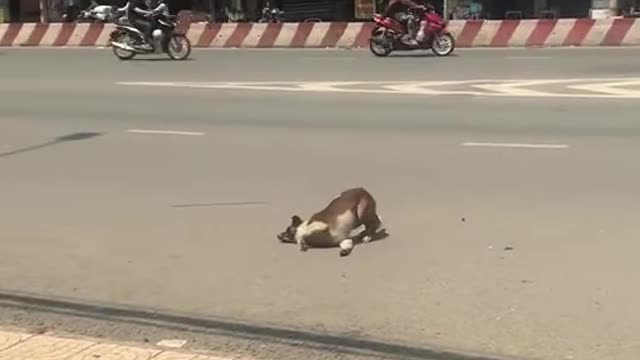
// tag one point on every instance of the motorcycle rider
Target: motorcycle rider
(399, 11)
(156, 7)
(138, 15)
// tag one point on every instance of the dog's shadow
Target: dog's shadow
(357, 239)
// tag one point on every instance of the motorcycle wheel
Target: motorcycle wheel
(379, 44)
(179, 44)
(123, 54)
(443, 45)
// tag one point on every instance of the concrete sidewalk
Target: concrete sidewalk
(20, 345)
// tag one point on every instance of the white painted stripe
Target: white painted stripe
(523, 31)
(24, 34)
(195, 32)
(3, 30)
(255, 34)
(420, 87)
(455, 27)
(633, 35)
(350, 35)
(560, 32)
(325, 58)
(224, 34)
(519, 88)
(528, 57)
(611, 88)
(318, 33)
(78, 34)
(103, 38)
(515, 145)
(486, 34)
(496, 87)
(285, 37)
(166, 132)
(597, 32)
(51, 34)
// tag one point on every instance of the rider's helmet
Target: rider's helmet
(424, 3)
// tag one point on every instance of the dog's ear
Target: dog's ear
(296, 221)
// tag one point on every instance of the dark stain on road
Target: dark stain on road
(59, 140)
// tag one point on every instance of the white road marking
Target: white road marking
(610, 87)
(590, 88)
(515, 145)
(515, 88)
(528, 57)
(166, 132)
(322, 58)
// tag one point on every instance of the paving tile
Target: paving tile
(115, 352)
(8, 338)
(45, 348)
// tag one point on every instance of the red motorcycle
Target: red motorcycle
(389, 34)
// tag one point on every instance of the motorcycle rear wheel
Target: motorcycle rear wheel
(379, 44)
(178, 43)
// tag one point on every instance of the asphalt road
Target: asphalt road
(520, 251)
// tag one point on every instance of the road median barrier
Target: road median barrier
(468, 34)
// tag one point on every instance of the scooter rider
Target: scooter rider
(398, 10)
(138, 15)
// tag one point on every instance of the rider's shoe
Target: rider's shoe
(145, 47)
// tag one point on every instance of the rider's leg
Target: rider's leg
(145, 27)
(411, 29)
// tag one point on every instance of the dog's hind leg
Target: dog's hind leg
(372, 223)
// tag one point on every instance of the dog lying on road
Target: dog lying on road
(332, 226)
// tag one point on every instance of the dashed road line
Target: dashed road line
(516, 145)
(528, 57)
(166, 132)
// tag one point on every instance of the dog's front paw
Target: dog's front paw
(367, 239)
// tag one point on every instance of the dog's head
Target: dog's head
(289, 234)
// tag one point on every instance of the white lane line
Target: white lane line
(521, 146)
(322, 58)
(528, 57)
(166, 132)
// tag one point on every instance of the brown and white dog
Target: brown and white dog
(332, 226)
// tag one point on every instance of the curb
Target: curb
(468, 34)
(20, 344)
